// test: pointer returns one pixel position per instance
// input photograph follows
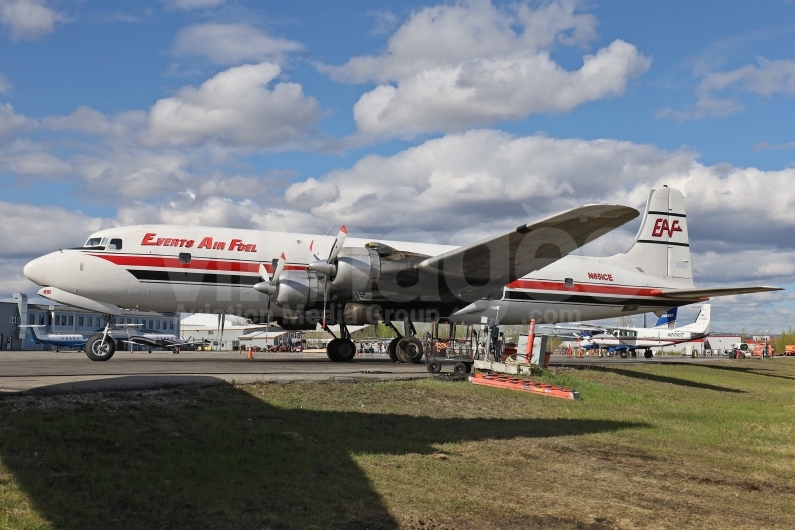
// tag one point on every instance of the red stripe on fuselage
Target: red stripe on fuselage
(585, 288)
(195, 264)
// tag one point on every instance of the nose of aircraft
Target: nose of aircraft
(36, 270)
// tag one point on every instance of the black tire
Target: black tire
(331, 350)
(648, 354)
(460, 369)
(409, 350)
(57, 350)
(97, 351)
(393, 349)
(175, 350)
(624, 354)
(434, 367)
(346, 350)
(150, 350)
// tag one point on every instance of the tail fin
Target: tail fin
(662, 246)
(668, 320)
(701, 325)
(33, 331)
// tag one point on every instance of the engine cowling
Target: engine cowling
(299, 290)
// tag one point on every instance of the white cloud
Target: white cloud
(28, 231)
(11, 123)
(34, 164)
(90, 121)
(189, 5)
(28, 19)
(236, 108)
(485, 180)
(766, 79)
(228, 44)
(5, 86)
(450, 67)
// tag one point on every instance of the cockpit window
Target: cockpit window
(115, 244)
(93, 242)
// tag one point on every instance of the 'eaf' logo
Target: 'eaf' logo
(661, 226)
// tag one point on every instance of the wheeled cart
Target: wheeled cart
(451, 344)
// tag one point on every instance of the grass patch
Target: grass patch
(655, 446)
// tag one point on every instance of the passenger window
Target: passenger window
(184, 257)
(115, 244)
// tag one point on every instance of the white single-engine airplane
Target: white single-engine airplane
(526, 273)
(153, 339)
(627, 340)
(59, 340)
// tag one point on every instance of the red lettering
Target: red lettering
(661, 227)
(219, 245)
(248, 247)
(253, 248)
(148, 239)
(674, 228)
(160, 241)
(189, 243)
(207, 243)
(175, 242)
(600, 276)
(234, 243)
(167, 242)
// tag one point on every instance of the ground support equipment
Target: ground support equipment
(517, 383)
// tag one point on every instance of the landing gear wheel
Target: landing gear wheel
(393, 349)
(57, 350)
(647, 354)
(623, 354)
(175, 350)
(96, 350)
(150, 350)
(460, 369)
(409, 350)
(434, 367)
(331, 350)
(346, 350)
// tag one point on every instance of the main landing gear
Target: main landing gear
(405, 349)
(648, 354)
(341, 349)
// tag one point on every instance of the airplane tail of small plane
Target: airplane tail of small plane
(662, 246)
(701, 325)
(668, 320)
(36, 337)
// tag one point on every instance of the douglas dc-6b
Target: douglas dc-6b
(302, 280)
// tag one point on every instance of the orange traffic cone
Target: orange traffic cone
(250, 353)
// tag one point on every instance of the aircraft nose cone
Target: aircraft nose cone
(36, 271)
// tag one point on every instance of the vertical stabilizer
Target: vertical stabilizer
(662, 246)
(701, 325)
(668, 320)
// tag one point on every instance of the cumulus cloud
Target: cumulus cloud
(28, 19)
(463, 186)
(235, 108)
(190, 5)
(765, 79)
(450, 67)
(228, 44)
(28, 231)
(11, 122)
(89, 121)
(34, 163)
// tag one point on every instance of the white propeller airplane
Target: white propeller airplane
(153, 339)
(526, 273)
(59, 340)
(627, 340)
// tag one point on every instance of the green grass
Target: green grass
(652, 446)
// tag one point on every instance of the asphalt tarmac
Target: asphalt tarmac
(51, 372)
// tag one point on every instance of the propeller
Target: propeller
(327, 267)
(268, 286)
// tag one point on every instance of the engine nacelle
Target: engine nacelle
(299, 290)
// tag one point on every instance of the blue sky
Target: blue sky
(302, 115)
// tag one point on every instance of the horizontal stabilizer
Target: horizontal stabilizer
(59, 295)
(701, 294)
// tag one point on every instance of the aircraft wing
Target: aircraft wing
(490, 264)
(703, 294)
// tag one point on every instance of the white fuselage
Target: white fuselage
(640, 339)
(196, 269)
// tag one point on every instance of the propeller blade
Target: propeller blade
(335, 250)
(278, 267)
(263, 273)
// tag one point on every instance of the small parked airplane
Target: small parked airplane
(158, 340)
(71, 340)
(627, 340)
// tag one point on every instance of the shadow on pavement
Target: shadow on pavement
(662, 379)
(221, 458)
